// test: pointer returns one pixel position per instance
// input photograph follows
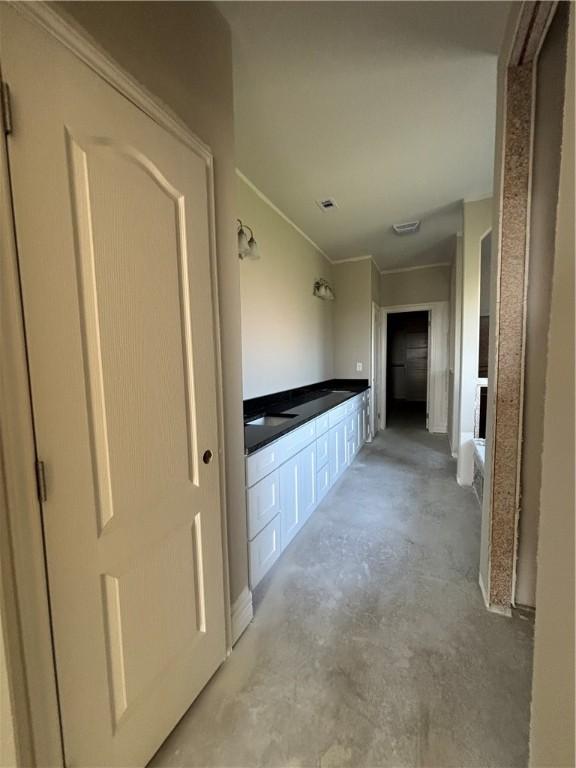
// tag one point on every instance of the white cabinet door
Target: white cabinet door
(307, 487)
(289, 501)
(297, 492)
(322, 482)
(351, 448)
(351, 426)
(362, 425)
(265, 550)
(322, 451)
(337, 451)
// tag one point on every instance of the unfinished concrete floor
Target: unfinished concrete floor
(370, 644)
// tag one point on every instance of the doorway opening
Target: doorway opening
(483, 337)
(407, 359)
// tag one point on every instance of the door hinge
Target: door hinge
(41, 481)
(6, 108)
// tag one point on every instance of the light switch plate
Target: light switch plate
(358, 367)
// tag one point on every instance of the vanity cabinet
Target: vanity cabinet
(287, 479)
(337, 451)
(297, 492)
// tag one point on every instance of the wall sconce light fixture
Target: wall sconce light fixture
(323, 290)
(247, 246)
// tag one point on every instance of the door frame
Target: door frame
(437, 374)
(375, 369)
(24, 595)
(516, 104)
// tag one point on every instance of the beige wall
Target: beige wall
(286, 330)
(417, 286)
(552, 727)
(7, 748)
(182, 53)
(352, 318)
(375, 283)
(477, 222)
(545, 175)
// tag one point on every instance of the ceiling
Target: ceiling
(388, 107)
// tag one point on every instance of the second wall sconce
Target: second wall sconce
(247, 246)
(323, 290)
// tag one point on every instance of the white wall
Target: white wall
(287, 336)
(477, 222)
(455, 357)
(415, 286)
(552, 736)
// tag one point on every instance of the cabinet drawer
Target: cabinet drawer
(322, 450)
(264, 551)
(263, 501)
(322, 482)
(261, 463)
(337, 414)
(322, 424)
(290, 444)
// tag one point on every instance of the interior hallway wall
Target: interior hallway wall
(552, 735)
(7, 746)
(352, 318)
(287, 338)
(477, 222)
(454, 364)
(182, 53)
(415, 286)
(545, 178)
(375, 283)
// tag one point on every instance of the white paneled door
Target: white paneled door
(112, 217)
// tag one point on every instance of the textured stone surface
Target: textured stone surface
(510, 319)
(371, 645)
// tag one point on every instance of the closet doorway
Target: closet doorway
(407, 364)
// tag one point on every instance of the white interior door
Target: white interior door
(112, 219)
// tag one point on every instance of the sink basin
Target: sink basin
(271, 420)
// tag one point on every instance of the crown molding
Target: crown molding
(412, 269)
(366, 257)
(280, 213)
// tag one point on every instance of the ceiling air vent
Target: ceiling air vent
(408, 228)
(328, 204)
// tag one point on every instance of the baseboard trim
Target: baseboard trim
(242, 614)
(499, 609)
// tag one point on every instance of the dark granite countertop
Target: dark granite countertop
(303, 403)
